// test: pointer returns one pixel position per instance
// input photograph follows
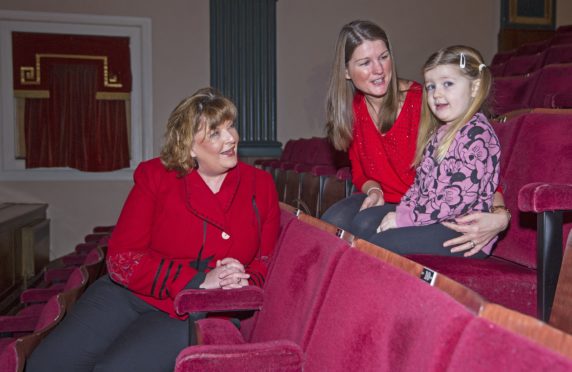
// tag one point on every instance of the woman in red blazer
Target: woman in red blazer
(195, 218)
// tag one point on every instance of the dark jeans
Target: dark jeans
(110, 329)
(405, 240)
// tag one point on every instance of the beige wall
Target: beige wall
(307, 30)
(563, 12)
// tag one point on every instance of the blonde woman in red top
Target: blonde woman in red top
(374, 115)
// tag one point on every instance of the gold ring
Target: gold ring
(473, 244)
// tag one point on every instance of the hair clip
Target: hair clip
(462, 61)
(481, 67)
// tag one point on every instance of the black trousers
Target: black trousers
(110, 329)
(405, 240)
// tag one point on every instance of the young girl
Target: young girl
(457, 157)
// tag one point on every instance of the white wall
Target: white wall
(307, 30)
(563, 12)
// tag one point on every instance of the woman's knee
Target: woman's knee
(366, 222)
(343, 212)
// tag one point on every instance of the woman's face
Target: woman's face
(216, 150)
(369, 68)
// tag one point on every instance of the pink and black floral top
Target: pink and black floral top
(463, 182)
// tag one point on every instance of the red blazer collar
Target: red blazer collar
(211, 207)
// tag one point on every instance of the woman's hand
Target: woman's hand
(388, 222)
(478, 229)
(374, 195)
(229, 273)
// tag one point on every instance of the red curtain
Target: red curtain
(72, 128)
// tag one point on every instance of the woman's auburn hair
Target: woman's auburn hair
(205, 110)
(341, 91)
(474, 69)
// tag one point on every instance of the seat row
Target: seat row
(547, 87)
(305, 169)
(329, 304)
(521, 274)
(562, 36)
(531, 56)
(43, 307)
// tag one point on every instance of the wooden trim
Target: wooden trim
(513, 17)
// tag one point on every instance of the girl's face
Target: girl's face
(449, 92)
(370, 68)
(215, 150)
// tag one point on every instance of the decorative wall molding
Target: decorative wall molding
(139, 32)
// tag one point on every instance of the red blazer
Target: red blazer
(168, 223)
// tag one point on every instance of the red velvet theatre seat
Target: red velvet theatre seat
(300, 275)
(541, 151)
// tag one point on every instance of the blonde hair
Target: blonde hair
(474, 68)
(206, 109)
(341, 91)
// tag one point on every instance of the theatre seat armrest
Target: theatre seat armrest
(282, 355)
(542, 197)
(18, 323)
(344, 173)
(217, 331)
(214, 300)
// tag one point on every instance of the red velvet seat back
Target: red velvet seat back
(299, 153)
(507, 133)
(542, 152)
(498, 69)
(77, 279)
(523, 64)
(552, 79)
(376, 317)
(51, 313)
(501, 57)
(512, 93)
(562, 38)
(324, 152)
(286, 218)
(485, 346)
(295, 289)
(532, 47)
(558, 54)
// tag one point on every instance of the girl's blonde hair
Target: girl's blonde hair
(474, 68)
(206, 110)
(339, 102)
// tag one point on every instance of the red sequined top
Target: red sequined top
(386, 158)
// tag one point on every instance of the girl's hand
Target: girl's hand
(478, 229)
(388, 222)
(229, 273)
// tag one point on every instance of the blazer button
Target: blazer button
(225, 236)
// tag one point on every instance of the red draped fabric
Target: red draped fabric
(72, 128)
(83, 124)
